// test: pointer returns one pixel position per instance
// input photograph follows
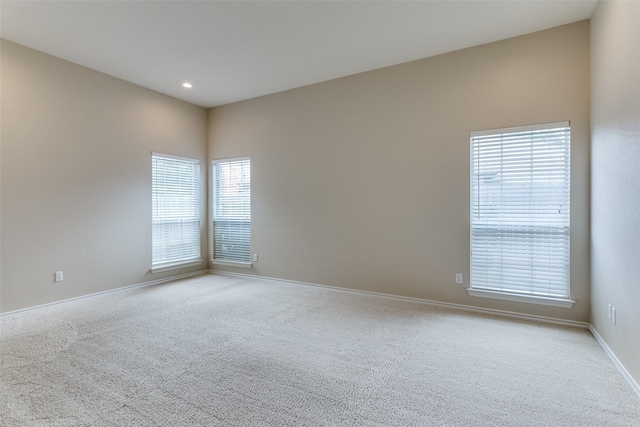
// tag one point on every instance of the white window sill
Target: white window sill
(174, 266)
(231, 263)
(554, 302)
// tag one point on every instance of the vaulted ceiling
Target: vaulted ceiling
(235, 50)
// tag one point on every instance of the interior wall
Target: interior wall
(615, 200)
(76, 176)
(363, 182)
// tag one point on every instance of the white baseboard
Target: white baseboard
(504, 313)
(123, 288)
(616, 362)
(583, 325)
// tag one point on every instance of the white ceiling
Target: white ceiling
(235, 50)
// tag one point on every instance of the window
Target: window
(176, 224)
(232, 211)
(520, 214)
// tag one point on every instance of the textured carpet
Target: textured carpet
(227, 351)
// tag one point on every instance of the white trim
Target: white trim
(529, 299)
(509, 314)
(171, 156)
(231, 263)
(175, 265)
(527, 128)
(616, 362)
(123, 288)
(503, 313)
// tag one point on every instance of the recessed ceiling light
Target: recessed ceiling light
(187, 85)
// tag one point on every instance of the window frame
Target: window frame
(222, 261)
(513, 295)
(171, 264)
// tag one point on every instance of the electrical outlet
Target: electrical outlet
(255, 257)
(459, 280)
(59, 276)
(613, 315)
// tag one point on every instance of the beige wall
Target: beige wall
(76, 176)
(363, 182)
(615, 122)
(360, 182)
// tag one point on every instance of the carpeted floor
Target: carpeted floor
(227, 351)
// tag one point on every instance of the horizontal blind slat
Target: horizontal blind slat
(232, 210)
(520, 212)
(175, 218)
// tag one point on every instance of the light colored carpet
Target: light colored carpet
(227, 351)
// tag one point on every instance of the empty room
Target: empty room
(320, 213)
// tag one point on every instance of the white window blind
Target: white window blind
(232, 210)
(176, 224)
(520, 210)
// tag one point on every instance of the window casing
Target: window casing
(232, 211)
(175, 206)
(520, 218)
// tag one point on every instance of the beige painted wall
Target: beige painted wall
(363, 182)
(615, 122)
(76, 176)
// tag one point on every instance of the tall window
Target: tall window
(176, 224)
(232, 211)
(520, 211)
